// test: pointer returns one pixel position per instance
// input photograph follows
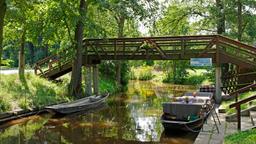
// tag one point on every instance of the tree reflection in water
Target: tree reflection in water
(130, 117)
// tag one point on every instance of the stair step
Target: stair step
(246, 122)
(253, 117)
(253, 114)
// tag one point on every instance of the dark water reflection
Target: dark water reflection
(131, 117)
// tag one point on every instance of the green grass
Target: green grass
(33, 92)
(246, 137)
(142, 73)
(108, 85)
(226, 104)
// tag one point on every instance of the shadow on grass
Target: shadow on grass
(24, 83)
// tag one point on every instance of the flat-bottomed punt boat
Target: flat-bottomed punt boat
(187, 116)
(78, 105)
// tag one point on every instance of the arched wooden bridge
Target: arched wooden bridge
(221, 49)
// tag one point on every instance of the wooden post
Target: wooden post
(218, 84)
(95, 80)
(237, 94)
(238, 111)
(88, 81)
(218, 77)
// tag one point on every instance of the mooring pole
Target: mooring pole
(95, 79)
(88, 81)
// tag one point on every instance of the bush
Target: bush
(195, 80)
(108, 85)
(146, 73)
(132, 75)
(168, 78)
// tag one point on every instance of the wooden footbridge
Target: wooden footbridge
(221, 49)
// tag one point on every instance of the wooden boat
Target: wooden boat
(78, 105)
(185, 116)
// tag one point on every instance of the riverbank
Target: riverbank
(35, 92)
(191, 76)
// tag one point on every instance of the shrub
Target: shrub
(146, 73)
(168, 78)
(195, 80)
(132, 75)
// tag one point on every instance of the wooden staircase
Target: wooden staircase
(253, 117)
(53, 67)
(161, 48)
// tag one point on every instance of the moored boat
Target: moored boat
(187, 113)
(79, 105)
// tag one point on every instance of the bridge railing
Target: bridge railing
(161, 46)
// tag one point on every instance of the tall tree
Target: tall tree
(75, 83)
(122, 11)
(239, 20)
(2, 15)
(18, 13)
(220, 17)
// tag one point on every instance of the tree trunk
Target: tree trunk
(120, 22)
(221, 28)
(46, 50)
(220, 17)
(75, 83)
(239, 20)
(22, 55)
(2, 15)
(32, 53)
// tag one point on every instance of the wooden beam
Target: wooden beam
(157, 48)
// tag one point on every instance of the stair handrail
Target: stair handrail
(237, 43)
(242, 90)
(50, 60)
(237, 105)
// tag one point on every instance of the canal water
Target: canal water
(130, 117)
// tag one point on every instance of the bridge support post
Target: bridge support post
(88, 81)
(95, 80)
(218, 84)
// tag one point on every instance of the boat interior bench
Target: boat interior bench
(181, 111)
(200, 94)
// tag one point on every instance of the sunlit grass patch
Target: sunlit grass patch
(246, 137)
(30, 93)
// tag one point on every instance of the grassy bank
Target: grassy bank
(192, 77)
(36, 92)
(246, 137)
(33, 92)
